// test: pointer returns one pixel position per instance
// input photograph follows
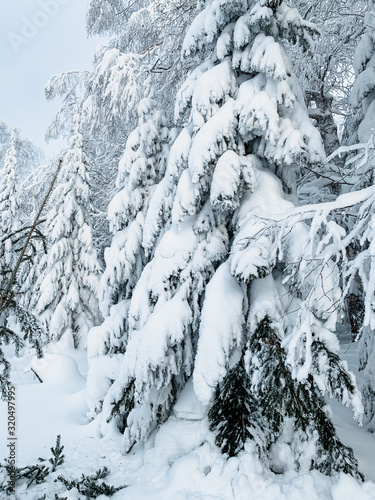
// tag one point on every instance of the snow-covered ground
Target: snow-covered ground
(179, 462)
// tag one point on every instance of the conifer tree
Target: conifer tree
(65, 296)
(140, 169)
(229, 180)
(360, 268)
(362, 97)
(5, 137)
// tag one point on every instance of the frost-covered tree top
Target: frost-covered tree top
(231, 25)
(10, 180)
(4, 140)
(28, 155)
(330, 72)
(109, 16)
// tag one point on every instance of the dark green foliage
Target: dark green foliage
(126, 402)
(232, 415)
(300, 401)
(33, 334)
(263, 271)
(338, 378)
(369, 397)
(89, 485)
(257, 400)
(35, 473)
(333, 455)
(123, 407)
(356, 313)
(57, 452)
(274, 378)
(32, 473)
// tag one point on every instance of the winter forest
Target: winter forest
(187, 292)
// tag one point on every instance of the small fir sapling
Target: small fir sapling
(36, 473)
(57, 452)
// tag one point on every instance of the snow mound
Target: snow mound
(188, 407)
(59, 369)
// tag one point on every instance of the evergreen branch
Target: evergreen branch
(23, 229)
(89, 486)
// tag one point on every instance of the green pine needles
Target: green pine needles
(57, 452)
(90, 485)
(259, 399)
(232, 415)
(34, 474)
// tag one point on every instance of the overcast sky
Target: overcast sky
(38, 39)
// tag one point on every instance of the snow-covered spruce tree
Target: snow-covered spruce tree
(362, 97)
(65, 299)
(5, 136)
(288, 346)
(361, 267)
(141, 168)
(192, 312)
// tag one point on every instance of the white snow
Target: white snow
(179, 462)
(220, 331)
